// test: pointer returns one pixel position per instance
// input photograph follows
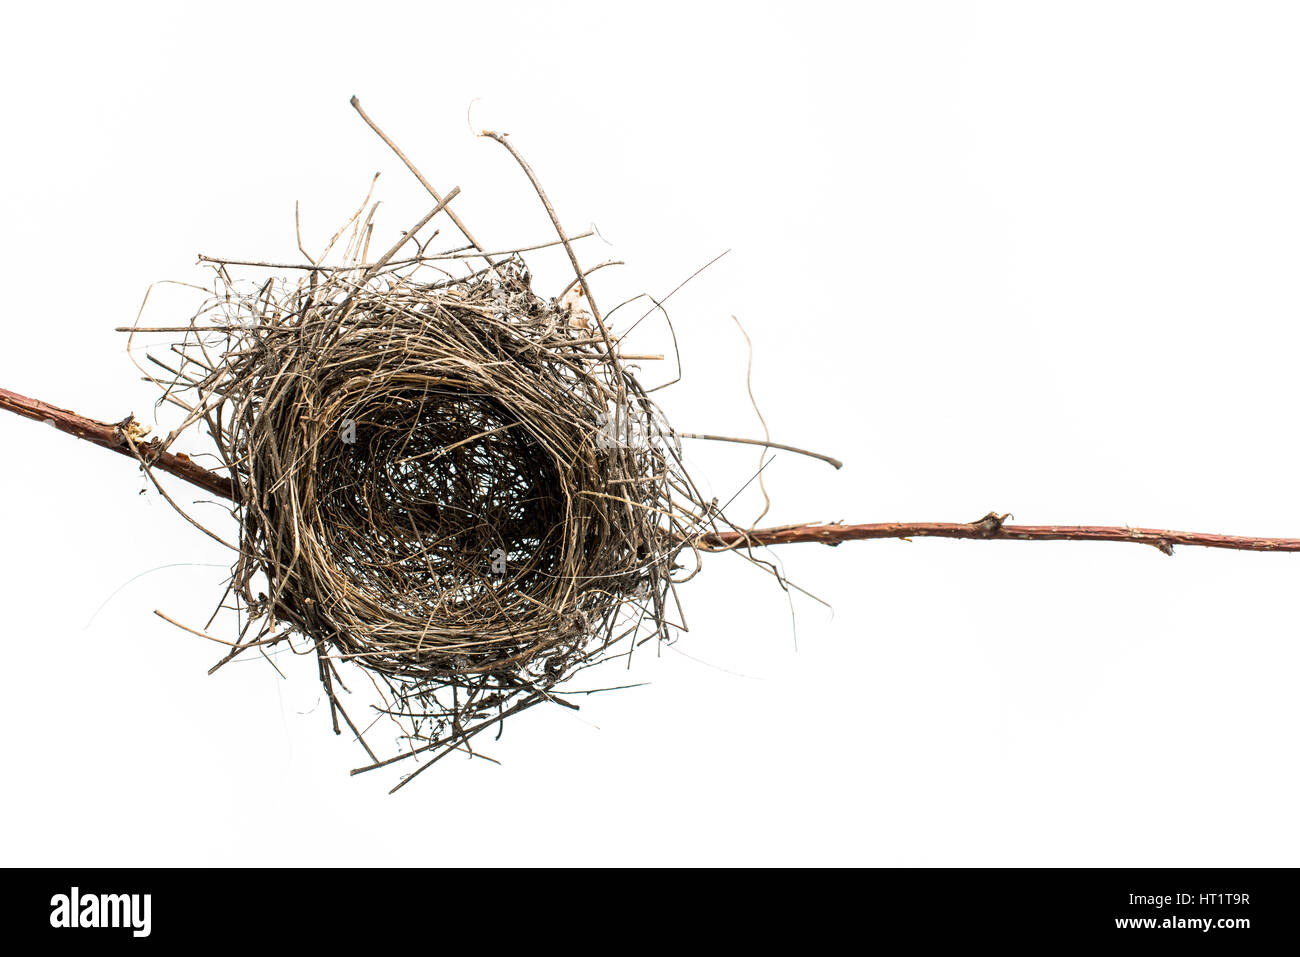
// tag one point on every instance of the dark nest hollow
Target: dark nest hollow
(443, 481)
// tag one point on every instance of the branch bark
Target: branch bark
(992, 528)
(114, 437)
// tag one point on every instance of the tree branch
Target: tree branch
(991, 527)
(121, 436)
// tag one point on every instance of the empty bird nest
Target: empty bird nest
(440, 477)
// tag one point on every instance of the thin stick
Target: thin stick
(771, 445)
(438, 257)
(112, 436)
(406, 237)
(991, 528)
(464, 230)
(221, 641)
(555, 221)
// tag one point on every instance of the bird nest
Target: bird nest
(447, 480)
(440, 477)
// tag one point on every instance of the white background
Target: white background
(1036, 257)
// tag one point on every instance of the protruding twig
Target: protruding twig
(559, 229)
(437, 198)
(771, 445)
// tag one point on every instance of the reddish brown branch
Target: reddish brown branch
(991, 527)
(113, 436)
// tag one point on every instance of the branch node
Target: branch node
(991, 524)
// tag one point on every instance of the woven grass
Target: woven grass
(443, 479)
